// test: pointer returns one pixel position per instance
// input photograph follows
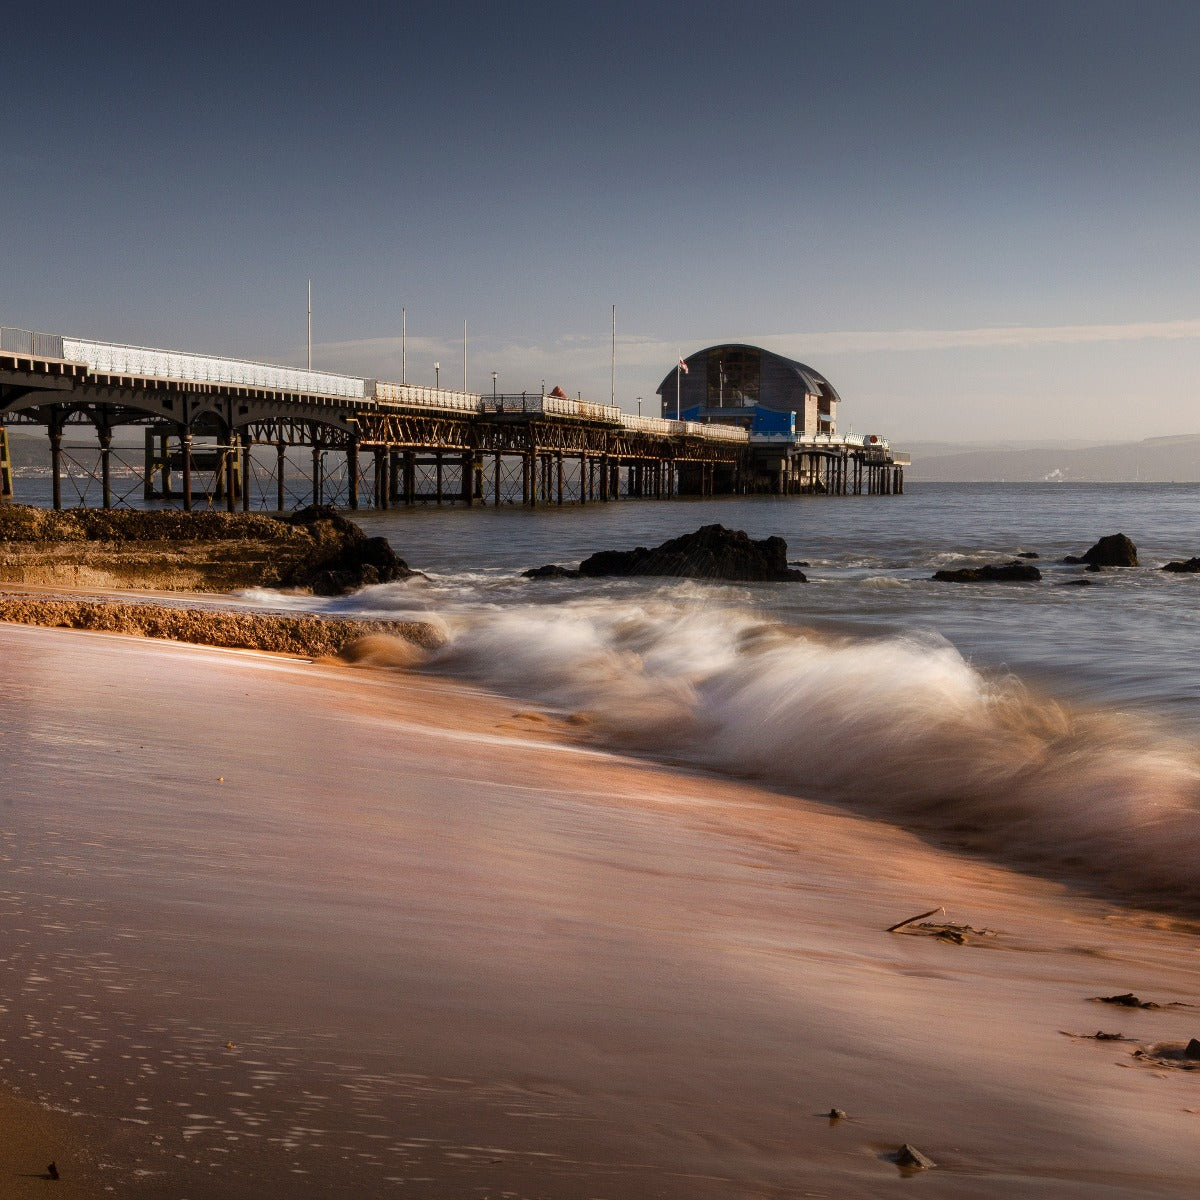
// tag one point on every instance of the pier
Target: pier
(232, 433)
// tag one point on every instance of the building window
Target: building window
(734, 375)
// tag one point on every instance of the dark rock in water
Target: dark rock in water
(1078, 583)
(1115, 550)
(550, 571)
(1191, 567)
(1192, 1049)
(910, 1156)
(1028, 554)
(1013, 572)
(712, 552)
(343, 557)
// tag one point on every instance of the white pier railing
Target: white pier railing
(415, 395)
(27, 341)
(552, 406)
(142, 362)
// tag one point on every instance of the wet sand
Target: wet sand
(282, 929)
(34, 1138)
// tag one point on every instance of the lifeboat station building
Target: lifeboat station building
(789, 411)
(747, 386)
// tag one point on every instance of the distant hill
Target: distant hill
(28, 447)
(1153, 460)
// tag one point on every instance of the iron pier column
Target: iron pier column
(105, 471)
(185, 449)
(55, 430)
(382, 477)
(228, 468)
(243, 475)
(352, 468)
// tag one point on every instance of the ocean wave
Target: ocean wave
(900, 727)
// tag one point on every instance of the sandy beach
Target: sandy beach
(275, 928)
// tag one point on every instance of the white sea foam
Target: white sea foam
(901, 727)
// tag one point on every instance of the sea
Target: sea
(1050, 723)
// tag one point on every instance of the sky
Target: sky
(978, 220)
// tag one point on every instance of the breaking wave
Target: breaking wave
(901, 727)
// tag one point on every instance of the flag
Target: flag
(683, 366)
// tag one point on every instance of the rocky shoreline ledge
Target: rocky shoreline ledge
(298, 636)
(315, 550)
(84, 550)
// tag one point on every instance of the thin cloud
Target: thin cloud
(582, 361)
(867, 341)
(640, 351)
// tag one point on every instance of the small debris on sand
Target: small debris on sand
(1129, 1000)
(946, 931)
(1171, 1055)
(911, 1158)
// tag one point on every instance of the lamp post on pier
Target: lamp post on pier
(639, 406)
(493, 388)
(437, 375)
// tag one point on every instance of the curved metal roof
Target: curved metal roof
(813, 381)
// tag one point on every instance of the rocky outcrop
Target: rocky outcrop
(315, 549)
(1010, 572)
(912, 1158)
(1115, 550)
(550, 571)
(342, 557)
(712, 552)
(1190, 567)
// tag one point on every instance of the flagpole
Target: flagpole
(613, 393)
(678, 376)
(403, 345)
